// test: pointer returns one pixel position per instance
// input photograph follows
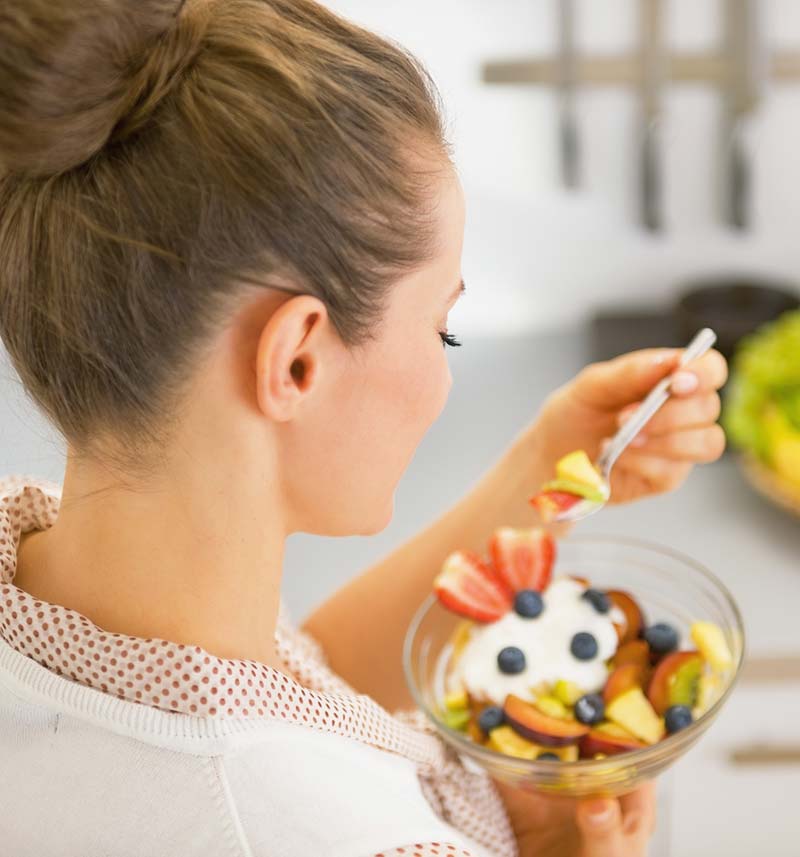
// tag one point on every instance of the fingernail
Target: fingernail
(599, 812)
(639, 441)
(685, 382)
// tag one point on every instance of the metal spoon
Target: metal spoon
(655, 399)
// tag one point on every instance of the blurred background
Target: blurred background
(631, 175)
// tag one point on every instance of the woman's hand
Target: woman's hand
(684, 432)
(564, 827)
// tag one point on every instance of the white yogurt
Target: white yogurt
(545, 642)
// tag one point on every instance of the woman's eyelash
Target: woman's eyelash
(448, 338)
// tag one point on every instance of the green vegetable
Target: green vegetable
(762, 409)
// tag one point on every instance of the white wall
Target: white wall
(538, 256)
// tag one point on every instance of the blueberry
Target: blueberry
(599, 600)
(549, 756)
(590, 709)
(528, 603)
(511, 660)
(678, 717)
(661, 638)
(583, 646)
(490, 718)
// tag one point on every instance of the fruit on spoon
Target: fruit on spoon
(577, 467)
(550, 504)
(579, 489)
(576, 479)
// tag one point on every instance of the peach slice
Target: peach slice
(624, 678)
(632, 652)
(634, 619)
(608, 743)
(673, 679)
(531, 723)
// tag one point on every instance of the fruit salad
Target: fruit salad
(548, 667)
(577, 480)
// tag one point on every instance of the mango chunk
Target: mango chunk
(633, 711)
(710, 640)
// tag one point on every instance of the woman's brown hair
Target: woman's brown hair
(159, 158)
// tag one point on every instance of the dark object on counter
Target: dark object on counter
(619, 330)
(733, 307)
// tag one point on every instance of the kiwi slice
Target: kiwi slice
(457, 718)
(588, 492)
(685, 686)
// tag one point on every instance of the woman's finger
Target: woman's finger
(613, 384)
(639, 811)
(655, 473)
(679, 414)
(600, 824)
(697, 445)
(710, 370)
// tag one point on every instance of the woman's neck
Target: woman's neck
(196, 560)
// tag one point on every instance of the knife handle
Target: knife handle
(740, 180)
(570, 149)
(651, 177)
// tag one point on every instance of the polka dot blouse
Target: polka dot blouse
(187, 679)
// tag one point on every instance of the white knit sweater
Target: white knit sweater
(117, 746)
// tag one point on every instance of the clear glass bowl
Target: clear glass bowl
(669, 586)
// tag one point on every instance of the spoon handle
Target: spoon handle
(655, 399)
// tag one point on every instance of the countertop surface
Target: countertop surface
(499, 384)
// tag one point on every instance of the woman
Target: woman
(230, 236)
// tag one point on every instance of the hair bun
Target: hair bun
(78, 74)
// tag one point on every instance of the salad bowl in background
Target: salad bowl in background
(762, 409)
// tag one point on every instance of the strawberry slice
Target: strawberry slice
(470, 587)
(523, 558)
(550, 504)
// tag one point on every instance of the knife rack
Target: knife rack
(601, 71)
(647, 72)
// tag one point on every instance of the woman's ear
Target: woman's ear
(289, 355)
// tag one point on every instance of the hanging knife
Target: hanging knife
(652, 73)
(742, 99)
(567, 122)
